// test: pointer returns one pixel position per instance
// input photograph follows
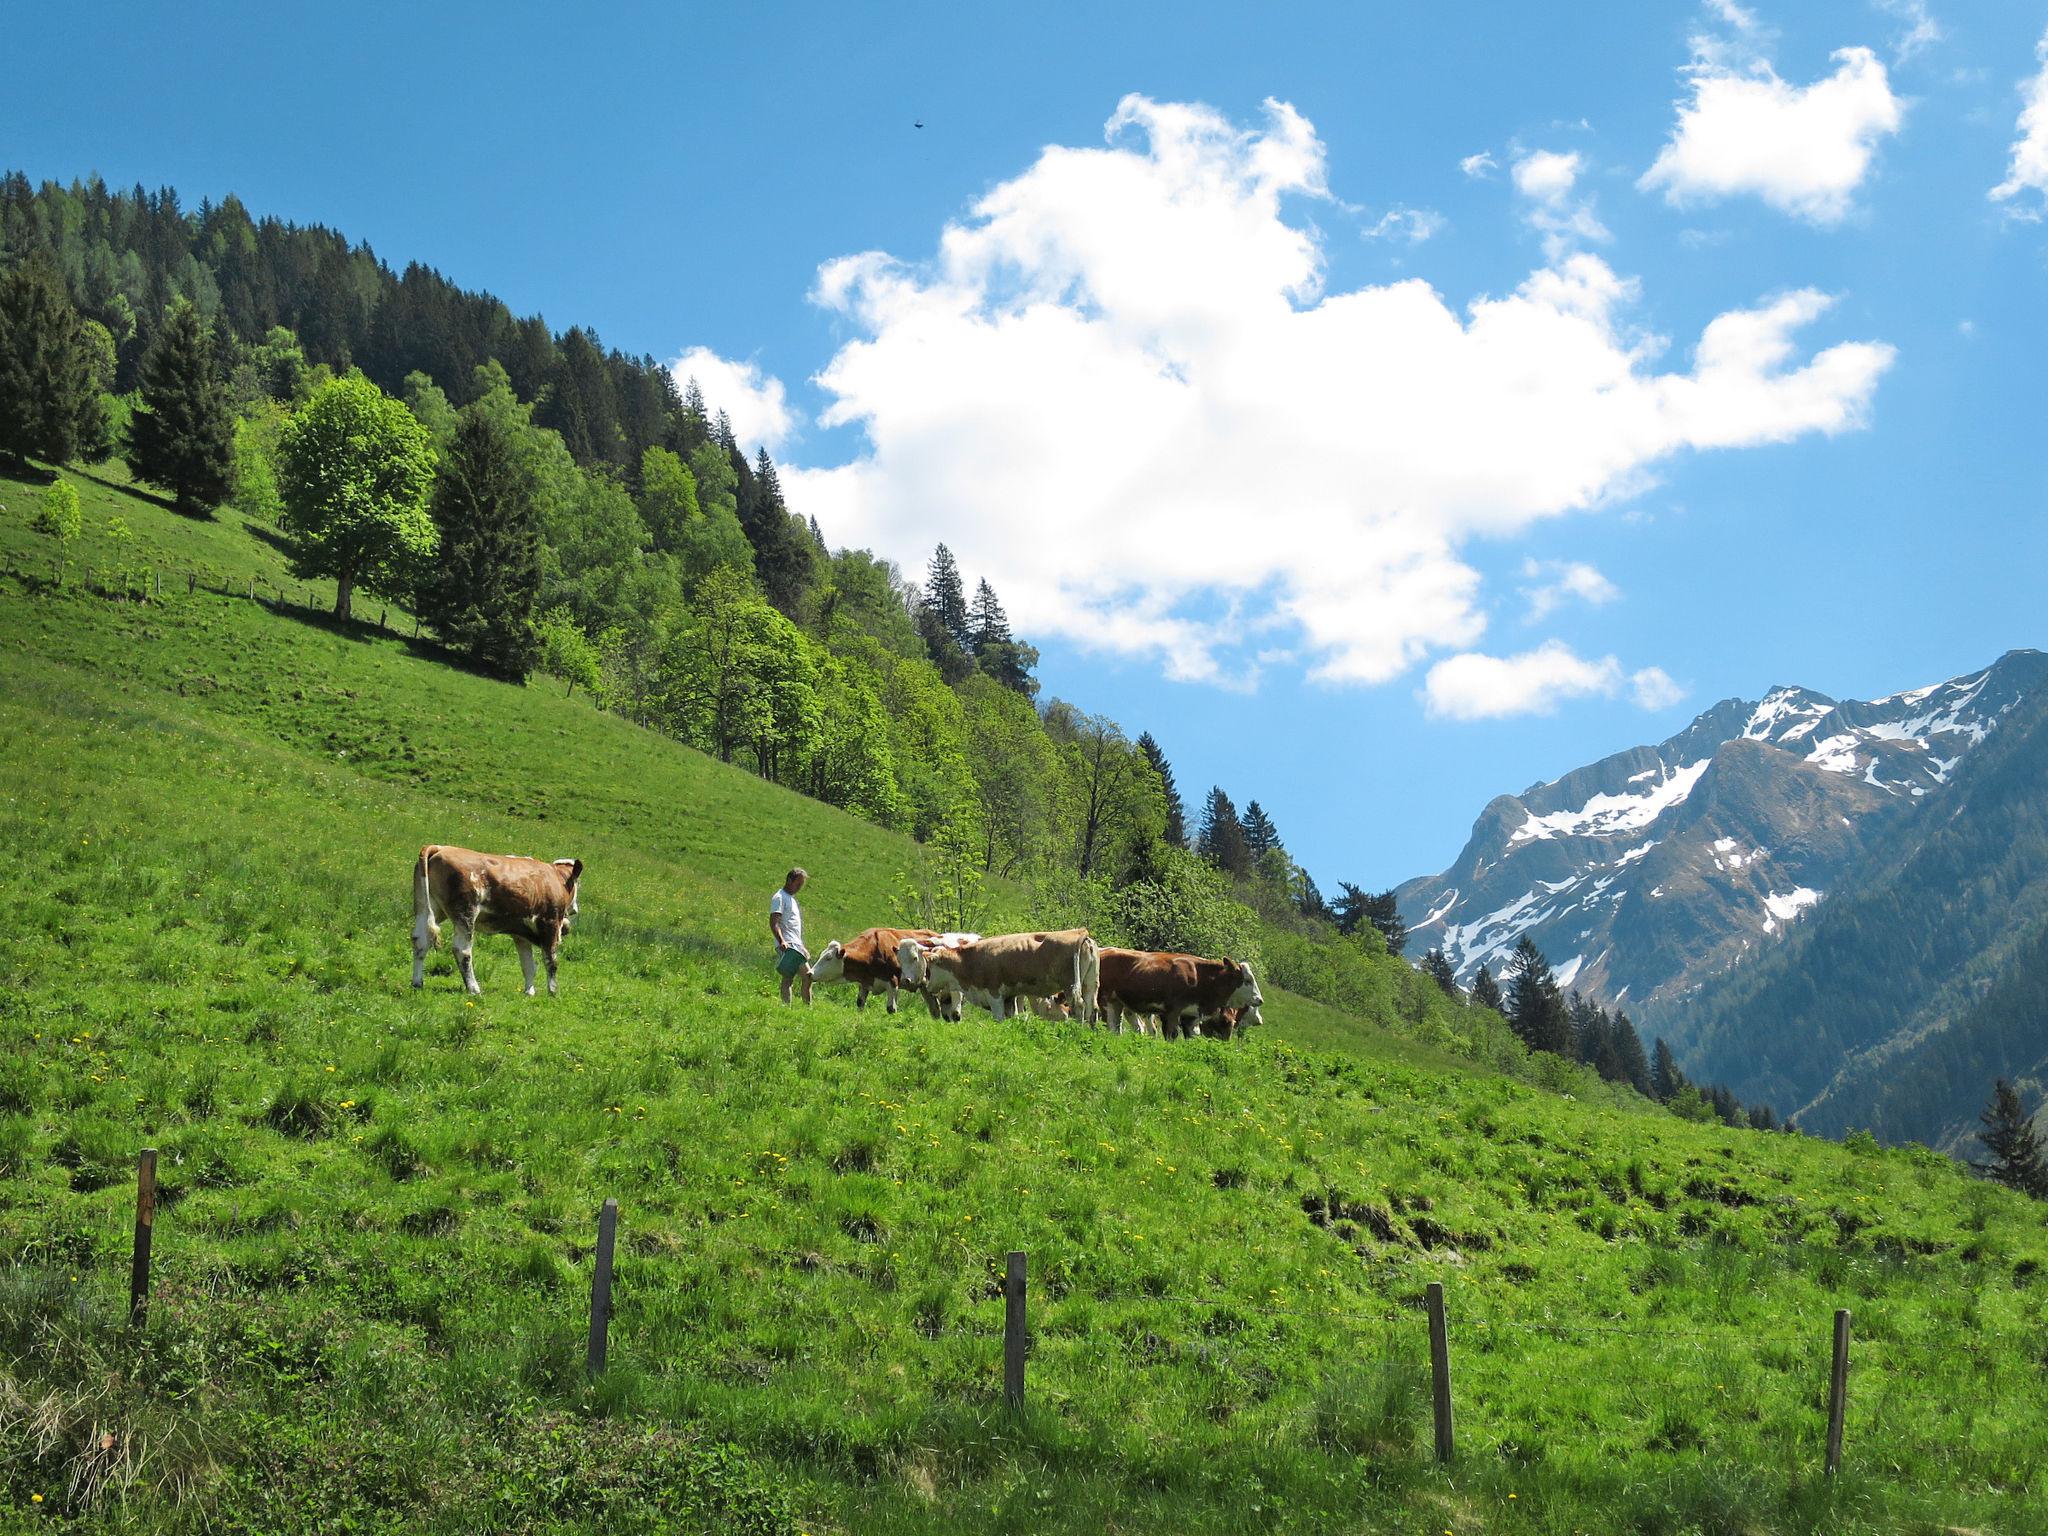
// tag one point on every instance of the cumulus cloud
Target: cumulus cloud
(754, 401)
(2028, 171)
(1804, 149)
(1548, 180)
(1557, 581)
(1411, 225)
(1121, 388)
(1475, 686)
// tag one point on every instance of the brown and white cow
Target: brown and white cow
(1181, 991)
(1005, 968)
(529, 899)
(870, 960)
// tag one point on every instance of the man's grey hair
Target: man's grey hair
(799, 873)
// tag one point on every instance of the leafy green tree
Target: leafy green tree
(1112, 797)
(1436, 965)
(1176, 831)
(485, 586)
(566, 652)
(2019, 1157)
(1185, 905)
(355, 470)
(259, 434)
(849, 763)
(57, 513)
(49, 397)
(103, 358)
(281, 368)
(740, 675)
(431, 408)
(668, 497)
(182, 437)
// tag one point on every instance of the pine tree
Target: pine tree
(945, 598)
(1260, 835)
(1436, 965)
(2019, 1158)
(1536, 1009)
(49, 397)
(1221, 840)
(783, 553)
(1309, 901)
(183, 436)
(996, 652)
(1486, 992)
(1384, 913)
(485, 587)
(1665, 1078)
(1349, 909)
(1628, 1046)
(1176, 813)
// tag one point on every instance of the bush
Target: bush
(58, 513)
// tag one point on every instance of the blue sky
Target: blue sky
(1259, 469)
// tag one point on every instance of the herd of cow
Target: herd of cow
(1057, 975)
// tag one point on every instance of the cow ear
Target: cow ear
(575, 870)
(1230, 962)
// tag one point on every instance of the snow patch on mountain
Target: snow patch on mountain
(1783, 909)
(1605, 815)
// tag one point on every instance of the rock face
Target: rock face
(1657, 877)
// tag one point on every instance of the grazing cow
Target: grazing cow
(870, 961)
(1182, 991)
(1005, 968)
(531, 900)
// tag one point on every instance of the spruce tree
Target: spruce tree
(945, 599)
(1221, 840)
(2019, 1158)
(1536, 1009)
(1260, 835)
(1665, 1078)
(1486, 992)
(1628, 1046)
(49, 397)
(996, 652)
(1176, 813)
(485, 586)
(1349, 909)
(1384, 913)
(1436, 965)
(183, 436)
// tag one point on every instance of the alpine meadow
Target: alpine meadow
(878, 1062)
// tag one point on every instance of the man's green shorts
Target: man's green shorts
(788, 962)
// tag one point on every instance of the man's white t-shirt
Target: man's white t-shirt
(784, 905)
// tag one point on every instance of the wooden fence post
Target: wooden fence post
(145, 1230)
(1838, 1391)
(159, 575)
(1013, 1332)
(1440, 1369)
(601, 1287)
(191, 582)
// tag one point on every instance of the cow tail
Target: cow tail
(423, 900)
(1087, 979)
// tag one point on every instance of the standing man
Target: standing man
(786, 923)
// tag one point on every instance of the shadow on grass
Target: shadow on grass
(282, 542)
(154, 498)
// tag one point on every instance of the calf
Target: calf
(869, 960)
(1005, 968)
(528, 899)
(1181, 991)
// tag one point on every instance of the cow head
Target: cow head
(1247, 995)
(830, 964)
(910, 961)
(571, 871)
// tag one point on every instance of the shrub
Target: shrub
(57, 515)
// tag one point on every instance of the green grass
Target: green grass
(373, 1256)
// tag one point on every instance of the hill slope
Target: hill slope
(374, 1253)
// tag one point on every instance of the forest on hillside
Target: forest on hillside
(550, 506)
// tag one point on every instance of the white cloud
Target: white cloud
(1735, 16)
(1121, 390)
(1475, 686)
(1479, 166)
(756, 402)
(1547, 179)
(2028, 171)
(1557, 580)
(1918, 30)
(1414, 225)
(1804, 149)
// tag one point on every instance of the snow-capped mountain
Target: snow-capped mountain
(1646, 874)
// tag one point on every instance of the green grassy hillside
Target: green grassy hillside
(374, 1253)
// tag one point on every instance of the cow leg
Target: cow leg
(892, 996)
(463, 941)
(860, 998)
(426, 933)
(526, 963)
(547, 954)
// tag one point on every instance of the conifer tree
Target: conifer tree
(1176, 831)
(945, 598)
(49, 396)
(1260, 835)
(1665, 1078)
(996, 652)
(1436, 965)
(1628, 1047)
(1309, 902)
(1384, 913)
(485, 586)
(1486, 991)
(1536, 1009)
(2019, 1158)
(1221, 840)
(183, 436)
